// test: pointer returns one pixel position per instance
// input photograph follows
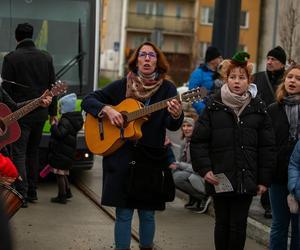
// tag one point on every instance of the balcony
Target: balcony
(168, 24)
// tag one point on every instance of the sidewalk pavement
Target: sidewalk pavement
(258, 227)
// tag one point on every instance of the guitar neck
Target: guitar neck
(149, 109)
(22, 111)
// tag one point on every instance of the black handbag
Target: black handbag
(150, 178)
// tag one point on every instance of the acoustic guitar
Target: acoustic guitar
(103, 138)
(9, 127)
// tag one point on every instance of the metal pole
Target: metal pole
(226, 26)
(275, 24)
(123, 37)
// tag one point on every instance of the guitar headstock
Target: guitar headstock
(59, 88)
(193, 95)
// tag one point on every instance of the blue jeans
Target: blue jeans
(123, 227)
(281, 218)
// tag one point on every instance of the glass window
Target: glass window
(207, 15)
(160, 9)
(138, 39)
(65, 28)
(202, 50)
(141, 7)
(244, 19)
(178, 10)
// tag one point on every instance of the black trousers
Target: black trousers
(25, 155)
(231, 214)
(265, 200)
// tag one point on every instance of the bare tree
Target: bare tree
(289, 36)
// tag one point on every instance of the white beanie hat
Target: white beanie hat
(67, 103)
(189, 120)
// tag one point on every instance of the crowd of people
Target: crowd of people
(243, 141)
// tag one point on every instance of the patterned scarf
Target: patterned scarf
(234, 101)
(141, 87)
(292, 109)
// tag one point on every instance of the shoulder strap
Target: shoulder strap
(269, 84)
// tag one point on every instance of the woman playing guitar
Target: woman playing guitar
(146, 82)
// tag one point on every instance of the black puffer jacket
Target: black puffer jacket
(62, 146)
(243, 150)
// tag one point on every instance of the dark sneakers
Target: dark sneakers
(69, 194)
(202, 206)
(190, 204)
(25, 204)
(62, 199)
(31, 196)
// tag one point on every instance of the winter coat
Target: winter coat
(116, 169)
(62, 147)
(7, 168)
(284, 147)
(241, 149)
(201, 77)
(267, 83)
(294, 172)
(31, 67)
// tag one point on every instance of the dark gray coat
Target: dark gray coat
(243, 150)
(267, 83)
(116, 165)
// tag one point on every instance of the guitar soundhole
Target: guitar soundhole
(2, 128)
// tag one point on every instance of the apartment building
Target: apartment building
(249, 26)
(181, 28)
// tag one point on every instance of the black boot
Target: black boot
(69, 193)
(62, 199)
(146, 248)
(62, 194)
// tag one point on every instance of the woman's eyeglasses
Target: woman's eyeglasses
(144, 54)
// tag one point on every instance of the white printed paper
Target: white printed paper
(224, 184)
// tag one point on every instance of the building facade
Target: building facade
(249, 26)
(181, 28)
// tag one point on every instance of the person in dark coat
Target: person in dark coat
(33, 68)
(285, 114)
(62, 145)
(267, 81)
(147, 83)
(234, 138)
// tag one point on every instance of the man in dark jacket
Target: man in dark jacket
(267, 82)
(33, 68)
